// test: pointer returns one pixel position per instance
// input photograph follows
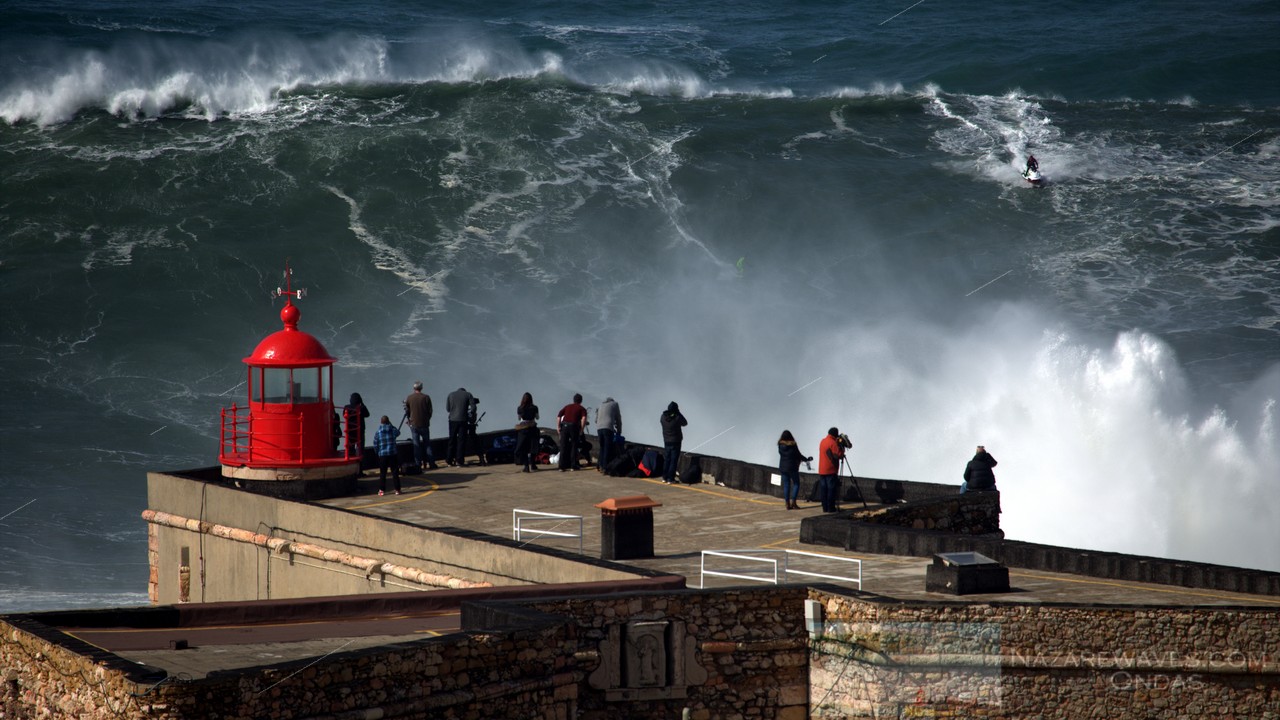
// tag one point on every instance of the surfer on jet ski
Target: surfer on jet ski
(1032, 173)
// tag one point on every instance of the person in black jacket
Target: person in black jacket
(978, 474)
(352, 410)
(789, 459)
(672, 436)
(527, 433)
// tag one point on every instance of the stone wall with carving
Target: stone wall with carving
(1053, 662)
(734, 653)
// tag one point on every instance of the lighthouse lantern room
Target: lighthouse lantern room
(286, 440)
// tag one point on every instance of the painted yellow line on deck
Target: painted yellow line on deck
(405, 497)
(714, 493)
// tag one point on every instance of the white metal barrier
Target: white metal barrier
(520, 517)
(771, 566)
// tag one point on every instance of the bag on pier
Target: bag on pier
(650, 463)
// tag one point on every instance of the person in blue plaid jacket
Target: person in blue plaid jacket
(385, 442)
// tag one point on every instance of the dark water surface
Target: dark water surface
(781, 217)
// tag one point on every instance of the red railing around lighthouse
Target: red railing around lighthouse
(240, 444)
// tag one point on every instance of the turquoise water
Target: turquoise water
(781, 217)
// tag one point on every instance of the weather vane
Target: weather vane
(288, 290)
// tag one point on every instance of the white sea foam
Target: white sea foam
(1099, 447)
(245, 75)
(395, 260)
(875, 90)
(252, 74)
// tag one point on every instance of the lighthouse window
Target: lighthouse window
(307, 383)
(275, 384)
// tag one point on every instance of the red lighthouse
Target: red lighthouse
(285, 440)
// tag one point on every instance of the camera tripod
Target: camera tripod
(844, 463)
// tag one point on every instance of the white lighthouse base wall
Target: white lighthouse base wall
(328, 472)
(311, 483)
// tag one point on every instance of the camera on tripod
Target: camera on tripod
(844, 441)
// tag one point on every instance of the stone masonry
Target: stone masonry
(739, 653)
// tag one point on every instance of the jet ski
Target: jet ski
(1032, 173)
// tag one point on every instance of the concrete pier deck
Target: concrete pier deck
(699, 517)
(691, 519)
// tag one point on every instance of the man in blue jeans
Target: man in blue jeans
(417, 408)
(608, 427)
(384, 440)
(830, 453)
(672, 437)
(457, 405)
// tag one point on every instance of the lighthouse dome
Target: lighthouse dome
(290, 347)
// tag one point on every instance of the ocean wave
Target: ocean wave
(144, 76)
(876, 90)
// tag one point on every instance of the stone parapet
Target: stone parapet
(1053, 662)
(971, 513)
(726, 653)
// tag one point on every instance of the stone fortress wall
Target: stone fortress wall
(727, 653)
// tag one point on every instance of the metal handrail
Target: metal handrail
(788, 571)
(351, 434)
(786, 568)
(518, 517)
(242, 445)
(702, 582)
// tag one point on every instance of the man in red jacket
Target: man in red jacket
(830, 453)
(571, 420)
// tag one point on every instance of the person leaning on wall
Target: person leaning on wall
(608, 429)
(978, 474)
(570, 420)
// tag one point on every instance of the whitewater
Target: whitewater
(782, 218)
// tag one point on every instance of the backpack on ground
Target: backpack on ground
(692, 474)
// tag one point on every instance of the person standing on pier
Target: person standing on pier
(356, 409)
(978, 474)
(417, 408)
(830, 453)
(608, 428)
(471, 438)
(457, 405)
(673, 423)
(789, 459)
(527, 433)
(384, 441)
(571, 419)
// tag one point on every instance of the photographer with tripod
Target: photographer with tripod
(830, 454)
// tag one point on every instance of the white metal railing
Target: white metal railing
(520, 517)
(771, 565)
